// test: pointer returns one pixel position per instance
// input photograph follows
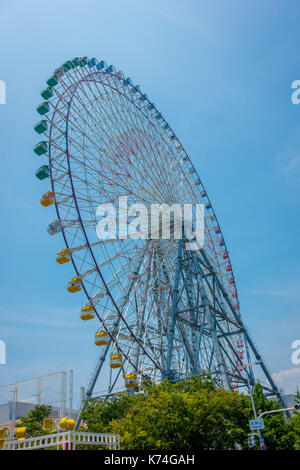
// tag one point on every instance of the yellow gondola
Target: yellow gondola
(3, 436)
(49, 424)
(63, 256)
(101, 338)
(74, 285)
(131, 380)
(87, 312)
(20, 433)
(116, 361)
(47, 199)
(67, 424)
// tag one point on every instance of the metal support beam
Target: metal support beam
(173, 311)
(212, 328)
(246, 333)
(102, 357)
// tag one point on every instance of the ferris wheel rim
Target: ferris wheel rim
(84, 231)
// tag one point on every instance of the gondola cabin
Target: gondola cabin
(131, 380)
(87, 312)
(20, 433)
(63, 256)
(67, 424)
(101, 338)
(74, 285)
(47, 199)
(115, 361)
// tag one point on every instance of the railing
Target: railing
(66, 441)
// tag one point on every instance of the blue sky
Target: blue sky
(221, 73)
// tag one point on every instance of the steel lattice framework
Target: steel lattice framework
(170, 312)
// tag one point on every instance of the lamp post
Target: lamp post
(295, 407)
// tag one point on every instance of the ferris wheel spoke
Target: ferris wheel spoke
(149, 156)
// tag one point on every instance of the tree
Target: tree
(190, 415)
(278, 434)
(297, 396)
(295, 421)
(34, 420)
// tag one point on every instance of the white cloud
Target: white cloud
(288, 379)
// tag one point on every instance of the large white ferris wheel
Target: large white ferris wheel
(161, 309)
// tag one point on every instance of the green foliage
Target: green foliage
(295, 421)
(189, 415)
(34, 420)
(297, 396)
(278, 434)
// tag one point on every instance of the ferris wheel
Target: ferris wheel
(161, 310)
